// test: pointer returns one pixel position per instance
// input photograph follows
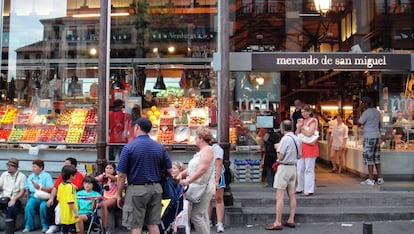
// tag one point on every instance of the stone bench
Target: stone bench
(114, 219)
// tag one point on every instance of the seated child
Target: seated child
(86, 201)
(108, 180)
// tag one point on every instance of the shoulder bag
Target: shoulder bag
(42, 195)
(310, 140)
(195, 191)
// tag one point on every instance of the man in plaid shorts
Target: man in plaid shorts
(371, 120)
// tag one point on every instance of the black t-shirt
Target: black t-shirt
(270, 151)
(297, 114)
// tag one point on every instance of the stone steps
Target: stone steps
(322, 208)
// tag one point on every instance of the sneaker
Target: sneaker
(44, 230)
(380, 181)
(52, 229)
(211, 224)
(368, 182)
(220, 227)
(25, 230)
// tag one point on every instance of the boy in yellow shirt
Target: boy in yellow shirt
(66, 197)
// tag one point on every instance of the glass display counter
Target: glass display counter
(396, 153)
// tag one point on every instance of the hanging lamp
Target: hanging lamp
(159, 84)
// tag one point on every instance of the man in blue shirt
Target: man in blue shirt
(141, 162)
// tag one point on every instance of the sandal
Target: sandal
(287, 224)
(273, 227)
(333, 170)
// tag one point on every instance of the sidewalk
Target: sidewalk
(319, 228)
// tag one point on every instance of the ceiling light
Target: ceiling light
(171, 49)
(322, 6)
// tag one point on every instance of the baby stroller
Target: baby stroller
(95, 224)
(174, 207)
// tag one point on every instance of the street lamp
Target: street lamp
(322, 6)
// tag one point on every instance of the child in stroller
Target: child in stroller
(175, 206)
(88, 199)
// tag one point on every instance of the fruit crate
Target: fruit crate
(9, 116)
(17, 133)
(30, 134)
(89, 135)
(46, 133)
(4, 134)
(74, 134)
(165, 134)
(59, 135)
(78, 117)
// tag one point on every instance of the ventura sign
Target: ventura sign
(285, 61)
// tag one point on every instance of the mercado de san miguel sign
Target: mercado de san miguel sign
(278, 61)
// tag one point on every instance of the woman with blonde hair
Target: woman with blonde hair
(199, 171)
(306, 164)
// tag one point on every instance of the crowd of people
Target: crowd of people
(73, 197)
(64, 204)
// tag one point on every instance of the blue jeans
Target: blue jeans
(32, 205)
(12, 211)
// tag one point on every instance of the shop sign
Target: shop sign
(327, 61)
(404, 34)
(182, 35)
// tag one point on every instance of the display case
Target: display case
(72, 126)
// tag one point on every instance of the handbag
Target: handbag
(275, 166)
(309, 140)
(194, 192)
(42, 195)
(4, 202)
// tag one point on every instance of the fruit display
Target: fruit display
(64, 117)
(166, 120)
(9, 116)
(189, 103)
(46, 134)
(198, 117)
(92, 117)
(171, 91)
(4, 133)
(30, 135)
(78, 116)
(17, 133)
(153, 114)
(89, 135)
(60, 134)
(74, 134)
(166, 134)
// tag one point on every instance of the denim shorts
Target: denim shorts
(68, 228)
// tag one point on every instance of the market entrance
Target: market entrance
(331, 83)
